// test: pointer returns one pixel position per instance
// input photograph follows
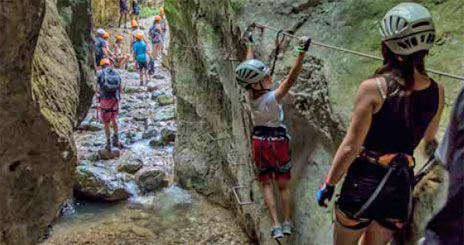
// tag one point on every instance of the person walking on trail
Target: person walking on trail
(109, 95)
(101, 46)
(156, 37)
(446, 227)
(270, 140)
(393, 111)
(121, 58)
(123, 11)
(140, 56)
(164, 27)
(135, 10)
(135, 30)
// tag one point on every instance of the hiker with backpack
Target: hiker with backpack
(135, 30)
(109, 96)
(394, 110)
(156, 36)
(123, 11)
(164, 27)
(121, 58)
(270, 141)
(140, 56)
(101, 46)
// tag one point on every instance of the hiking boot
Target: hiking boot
(287, 228)
(108, 145)
(276, 232)
(116, 142)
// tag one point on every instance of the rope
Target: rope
(277, 42)
(453, 76)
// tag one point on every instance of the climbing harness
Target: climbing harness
(449, 75)
(268, 135)
(426, 168)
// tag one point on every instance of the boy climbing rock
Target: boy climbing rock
(109, 95)
(270, 140)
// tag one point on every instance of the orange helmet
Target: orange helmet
(105, 61)
(139, 36)
(158, 18)
(106, 35)
(119, 37)
(134, 23)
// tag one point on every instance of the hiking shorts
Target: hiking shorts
(142, 65)
(270, 154)
(362, 179)
(109, 109)
(154, 42)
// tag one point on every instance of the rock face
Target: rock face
(40, 87)
(105, 12)
(212, 148)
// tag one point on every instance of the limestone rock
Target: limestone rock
(97, 183)
(108, 155)
(165, 113)
(91, 126)
(155, 94)
(130, 165)
(151, 133)
(40, 87)
(151, 179)
(105, 12)
(151, 87)
(165, 99)
(168, 135)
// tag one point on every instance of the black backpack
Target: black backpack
(99, 49)
(110, 82)
(154, 33)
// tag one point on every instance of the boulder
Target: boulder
(40, 88)
(150, 179)
(91, 126)
(165, 99)
(168, 135)
(99, 183)
(155, 94)
(150, 133)
(129, 164)
(165, 113)
(151, 86)
(108, 155)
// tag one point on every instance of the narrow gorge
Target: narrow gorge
(186, 173)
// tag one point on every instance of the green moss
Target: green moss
(148, 12)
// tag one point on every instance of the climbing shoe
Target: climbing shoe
(108, 145)
(276, 232)
(287, 228)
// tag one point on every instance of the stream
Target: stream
(133, 198)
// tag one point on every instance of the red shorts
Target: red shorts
(268, 156)
(109, 109)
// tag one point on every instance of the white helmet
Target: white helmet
(408, 28)
(251, 71)
(100, 31)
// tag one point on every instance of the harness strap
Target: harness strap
(375, 194)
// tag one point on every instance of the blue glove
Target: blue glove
(325, 193)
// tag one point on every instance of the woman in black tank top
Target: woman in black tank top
(393, 111)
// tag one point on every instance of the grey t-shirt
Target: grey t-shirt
(266, 111)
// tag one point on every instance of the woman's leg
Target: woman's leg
(285, 198)
(153, 50)
(343, 235)
(376, 235)
(269, 200)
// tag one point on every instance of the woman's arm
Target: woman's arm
(367, 102)
(432, 129)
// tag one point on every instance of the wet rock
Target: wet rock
(132, 90)
(165, 113)
(157, 142)
(168, 135)
(141, 115)
(108, 155)
(94, 157)
(165, 99)
(151, 133)
(129, 164)
(158, 76)
(173, 198)
(155, 94)
(91, 126)
(151, 86)
(98, 183)
(151, 179)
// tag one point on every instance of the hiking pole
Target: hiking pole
(453, 76)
